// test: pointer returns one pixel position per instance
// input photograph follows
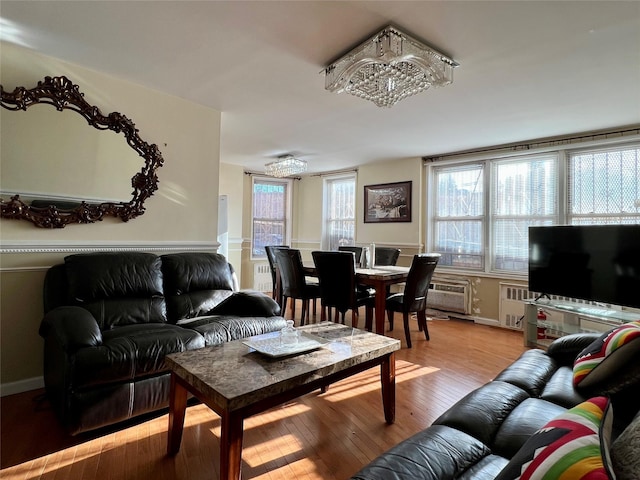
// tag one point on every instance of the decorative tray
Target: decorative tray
(269, 344)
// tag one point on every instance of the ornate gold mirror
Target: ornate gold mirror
(101, 156)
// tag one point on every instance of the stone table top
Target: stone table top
(233, 375)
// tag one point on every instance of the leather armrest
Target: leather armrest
(247, 303)
(72, 327)
(565, 349)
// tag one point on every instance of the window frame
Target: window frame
(288, 209)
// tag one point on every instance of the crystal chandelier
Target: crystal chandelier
(286, 166)
(389, 67)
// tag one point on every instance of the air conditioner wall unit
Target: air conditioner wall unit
(450, 296)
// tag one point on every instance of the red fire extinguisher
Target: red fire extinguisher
(542, 326)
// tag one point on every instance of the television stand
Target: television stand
(564, 318)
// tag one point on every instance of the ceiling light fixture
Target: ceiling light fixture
(389, 67)
(285, 166)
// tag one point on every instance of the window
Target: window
(340, 207)
(459, 218)
(603, 186)
(482, 210)
(524, 194)
(271, 213)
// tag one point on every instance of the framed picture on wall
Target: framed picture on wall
(387, 202)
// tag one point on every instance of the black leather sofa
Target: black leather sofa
(110, 319)
(479, 435)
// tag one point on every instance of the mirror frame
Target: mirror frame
(61, 93)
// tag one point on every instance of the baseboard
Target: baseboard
(21, 386)
(487, 321)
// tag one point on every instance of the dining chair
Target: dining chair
(414, 297)
(271, 256)
(386, 256)
(294, 283)
(338, 288)
(358, 251)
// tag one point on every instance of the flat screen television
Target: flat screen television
(600, 263)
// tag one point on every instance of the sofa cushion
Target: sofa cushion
(131, 352)
(530, 372)
(487, 468)
(573, 445)
(481, 412)
(118, 288)
(522, 422)
(438, 452)
(217, 329)
(559, 389)
(195, 282)
(247, 304)
(609, 354)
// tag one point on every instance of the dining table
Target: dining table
(377, 277)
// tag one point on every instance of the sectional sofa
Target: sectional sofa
(570, 412)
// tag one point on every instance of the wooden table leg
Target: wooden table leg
(388, 379)
(231, 446)
(380, 299)
(177, 409)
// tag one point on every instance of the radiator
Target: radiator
(262, 277)
(511, 308)
(450, 296)
(512, 300)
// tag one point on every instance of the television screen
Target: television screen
(600, 263)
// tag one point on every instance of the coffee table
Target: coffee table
(236, 381)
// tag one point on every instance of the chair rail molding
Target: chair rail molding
(26, 248)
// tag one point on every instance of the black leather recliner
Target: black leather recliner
(111, 318)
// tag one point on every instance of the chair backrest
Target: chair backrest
(118, 288)
(387, 256)
(291, 272)
(195, 282)
(356, 250)
(337, 277)
(418, 280)
(271, 256)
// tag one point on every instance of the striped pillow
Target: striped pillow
(606, 355)
(574, 445)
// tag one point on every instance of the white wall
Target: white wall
(232, 184)
(181, 215)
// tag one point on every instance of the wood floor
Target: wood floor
(319, 436)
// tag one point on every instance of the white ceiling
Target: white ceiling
(528, 69)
